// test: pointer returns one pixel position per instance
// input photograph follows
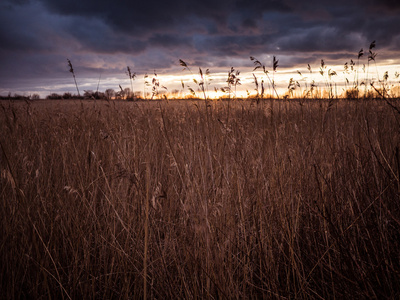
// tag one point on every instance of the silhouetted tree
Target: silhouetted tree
(109, 94)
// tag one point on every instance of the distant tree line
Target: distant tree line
(20, 97)
(108, 94)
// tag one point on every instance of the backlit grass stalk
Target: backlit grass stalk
(131, 78)
(274, 67)
(233, 80)
(202, 83)
(259, 65)
(360, 54)
(71, 69)
(98, 85)
(156, 86)
(371, 56)
(146, 83)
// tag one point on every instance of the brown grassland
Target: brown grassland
(193, 199)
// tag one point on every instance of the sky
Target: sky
(102, 38)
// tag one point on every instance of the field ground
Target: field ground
(188, 199)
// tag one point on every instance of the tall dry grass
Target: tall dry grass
(178, 200)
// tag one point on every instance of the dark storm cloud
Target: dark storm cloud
(36, 36)
(138, 17)
(132, 26)
(388, 6)
(169, 41)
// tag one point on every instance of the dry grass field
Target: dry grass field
(196, 200)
